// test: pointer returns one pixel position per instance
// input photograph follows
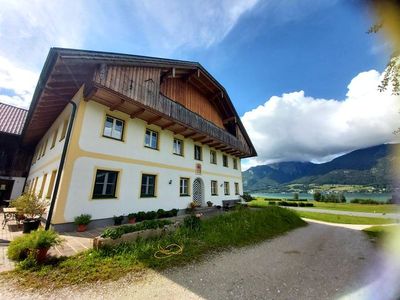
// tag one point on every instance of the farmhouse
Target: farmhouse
(113, 134)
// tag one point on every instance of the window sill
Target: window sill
(112, 138)
(148, 147)
(177, 154)
(214, 194)
(150, 196)
(104, 197)
(184, 195)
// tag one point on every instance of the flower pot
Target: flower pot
(30, 224)
(81, 227)
(41, 254)
(132, 221)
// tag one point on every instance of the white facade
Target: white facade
(89, 151)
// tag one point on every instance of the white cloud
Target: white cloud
(172, 25)
(294, 127)
(16, 84)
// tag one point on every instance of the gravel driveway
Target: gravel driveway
(314, 262)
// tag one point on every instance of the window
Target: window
(197, 152)
(235, 163)
(105, 184)
(64, 130)
(148, 185)
(213, 157)
(151, 139)
(184, 186)
(225, 160)
(214, 187)
(51, 184)
(34, 185)
(178, 147)
(113, 128)
(236, 188)
(45, 147)
(53, 143)
(42, 185)
(226, 188)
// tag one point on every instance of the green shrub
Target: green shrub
(192, 222)
(118, 220)
(141, 216)
(29, 205)
(117, 232)
(151, 215)
(82, 219)
(21, 247)
(272, 202)
(247, 197)
(132, 216)
(366, 201)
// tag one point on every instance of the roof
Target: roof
(65, 70)
(12, 119)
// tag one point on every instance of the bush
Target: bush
(117, 232)
(272, 202)
(192, 222)
(151, 215)
(82, 219)
(366, 201)
(317, 196)
(132, 216)
(247, 197)
(29, 205)
(141, 216)
(23, 246)
(118, 220)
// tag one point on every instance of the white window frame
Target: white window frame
(226, 188)
(225, 162)
(152, 134)
(200, 152)
(114, 131)
(214, 188)
(105, 183)
(184, 186)
(177, 143)
(213, 154)
(147, 186)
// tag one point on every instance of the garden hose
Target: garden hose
(168, 251)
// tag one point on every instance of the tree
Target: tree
(296, 196)
(317, 196)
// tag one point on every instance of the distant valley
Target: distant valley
(366, 169)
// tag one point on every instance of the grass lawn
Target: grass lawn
(233, 229)
(259, 202)
(379, 232)
(343, 219)
(371, 208)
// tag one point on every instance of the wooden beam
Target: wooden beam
(227, 120)
(88, 93)
(209, 141)
(168, 125)
(153, 120)
(192, 74)
(167, 74)
(137, 113)
(199, 138)
(190, 134)
(115, 106)
(215, 144)
(179, 131)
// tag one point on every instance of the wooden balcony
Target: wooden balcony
(148, 104)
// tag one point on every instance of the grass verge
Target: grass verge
(378, 233)
(370, 208)
(344, 219)
(234, 229)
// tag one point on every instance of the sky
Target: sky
(302, 74)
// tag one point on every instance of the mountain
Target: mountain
(369, 166)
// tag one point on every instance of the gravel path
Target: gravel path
(350, 213)
(314, 262)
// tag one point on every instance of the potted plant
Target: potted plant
(82, 222)
(209, 204)
(132, 218)
(118, 220)
(32, 208)
(33, 245)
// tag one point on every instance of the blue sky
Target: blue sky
(301, 54)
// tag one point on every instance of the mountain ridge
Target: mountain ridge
(367, 166)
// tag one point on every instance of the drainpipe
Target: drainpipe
(61, 166)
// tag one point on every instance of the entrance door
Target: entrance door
(198, 191)
(6, 187)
